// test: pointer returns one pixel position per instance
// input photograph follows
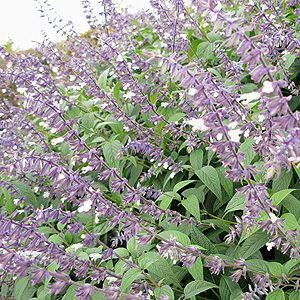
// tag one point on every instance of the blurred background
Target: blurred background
(22, 25)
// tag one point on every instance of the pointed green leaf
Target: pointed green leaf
(197, 287)
(226, 183)
(276, 295)
(88, 120)
(196, 159)
(283, 181)
(279, 196)
(258, 265)
(110, 150)
(295, 295)
(200, 239)
(237, 202)
(102, 80)
(27, 192)
(228, 288)
(154, 263)
(182, 184)
(158, 292)
(246, 147)
(253, 244)
(210, 178)
(117, 93)
(276, 268)
(292, 204)
(197, 269)
(128, 278)
(191, 204)
(194, 191)
(289, 265)
(201, 48)
(70, 294)
(290, 222)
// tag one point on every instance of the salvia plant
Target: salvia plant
(156, 156)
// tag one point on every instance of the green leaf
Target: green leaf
(22, 289)
(122, 252)
(246, 147)
(193, 48)
(107, 123)
(199, 238)
(68, 237)
(295, 295)
(276, 295)
(20, 285)
(61, 226)
(283, 181)
(208, 51)
(210, 178)
(102, 80)
(73, 111)
(253, 244)
(132, 160)
(27, 192)
(196, 159)
(197, 269)
(154, 263)
(249, 87)
(194, 191)
(148, 71)
(181, 237)
(135, 174)
(258, 265)
(297, 170)
(201, 48)
(289, 265)
(276, 268)
(88, 120)
(43, 293)
(98, 296)
(158, 292)
(279, 196)
(132, 244)
(153, 98)
(128, 278)
(237, 202)
(228, 288)
(110, 150)
(176, 117)
(116, 92)
(9, 205)
(191, 204)
(182, 184)
(290, 222)
(197, 287)
(226, 183)
(119, 267)
(70, 294)
(52, 267)
(213, 36)
(61, 88)
(292, 204)
(44, 229)
(289, 59)
(214, 71)
(210, 155)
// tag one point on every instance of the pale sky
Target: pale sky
(21, 21)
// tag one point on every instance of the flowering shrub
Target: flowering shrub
(156, 157)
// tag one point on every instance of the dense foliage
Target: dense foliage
(155, 157)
